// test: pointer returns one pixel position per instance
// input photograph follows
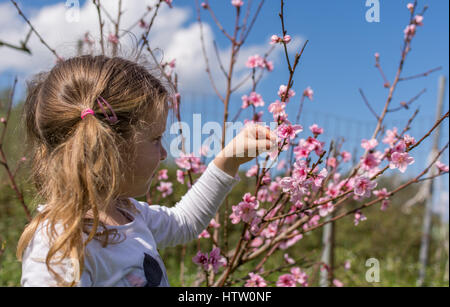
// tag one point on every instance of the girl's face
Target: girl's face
(149, 153)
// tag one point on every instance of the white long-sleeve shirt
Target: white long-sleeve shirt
(136, 261)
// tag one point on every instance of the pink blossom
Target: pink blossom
(359, 217)
(308, 92)
(287, 39)
(112, 38)
(391, 137)
(201, 259)
(300, 276)
(3, 120)
(275, 39)
(165, 188)
(383, 193)
(401, 161)
(316, 130)
(418, 20)
(204, 235)
(256, 61)
(369, 162)
(286, 280)
(269, 65)
(288, 259)
(346, 156)
(254, 99)
(162, 174)
(288, 243)
(180, 176)
(337, 283)
(255, 281)
(216, 260)
(326, 209)
(245, 210)
(277, 108)
(252, 171)
(237, 3)
(331, 162)
(410, 7)
(282, 93)
(409, 140)
(169, 3)
(410, 31)
(347, 265)
(363, 186)
(319, 178)
(189, 162)
(204, 5)
(214, 224)
(368, 145)
(377, 56)
(289, 131)
(270, 231)
(442, 167)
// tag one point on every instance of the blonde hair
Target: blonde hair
(78, 164)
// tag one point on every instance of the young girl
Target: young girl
(94, 125)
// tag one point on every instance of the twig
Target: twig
(34, 30)
(405, 105)
(205, 55)
(4, 161)
(425, 74)
(368, 104)
(101, 24)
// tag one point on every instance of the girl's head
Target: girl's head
(81, 165)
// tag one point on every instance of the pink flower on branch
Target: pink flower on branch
(369, 144)
(441, 167)
(169, 3)
(237, 3)
(383, 193)
(162, 174)
(286, 280)
(255, 281)
(308, 92)
(401, 161)
(282, 93)
(254, 99)
(359, 217)
(346, 156)
(245, 210)
(113, 39)
(165, 188)
(364, 187)
(391, 137)
(316, 130)
(256, 61)
(289, 131)
(201, 259)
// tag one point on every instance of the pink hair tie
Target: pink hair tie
(100, 100)
(87, 112)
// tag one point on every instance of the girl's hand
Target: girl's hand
(253, 140)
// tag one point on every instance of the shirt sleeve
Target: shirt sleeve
(34, 269)
(192, 214)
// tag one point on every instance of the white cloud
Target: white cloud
(175, 32)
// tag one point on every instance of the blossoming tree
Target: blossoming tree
(279, 211)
